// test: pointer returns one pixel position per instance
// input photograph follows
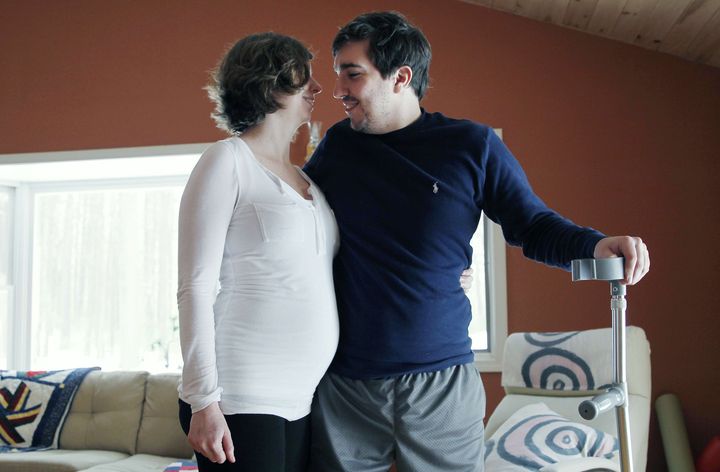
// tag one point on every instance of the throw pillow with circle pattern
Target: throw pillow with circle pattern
(535, 437)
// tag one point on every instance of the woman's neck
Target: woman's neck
(270, 140)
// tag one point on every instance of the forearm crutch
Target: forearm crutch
(616, 396)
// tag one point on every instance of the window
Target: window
(96, 271)
(88, 262)
(6, 290)
(488, 296)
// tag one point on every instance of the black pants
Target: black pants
(263, 443)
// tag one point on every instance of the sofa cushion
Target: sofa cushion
(106, 412)
(33, 406)
(136, 463)
(160, 431)
(56, 460)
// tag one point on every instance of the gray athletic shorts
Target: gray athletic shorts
(423, 422)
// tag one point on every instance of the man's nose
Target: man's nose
(339, 91)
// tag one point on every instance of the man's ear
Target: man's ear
(403, 77)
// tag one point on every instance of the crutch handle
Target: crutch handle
(590, 409)
(612, 268)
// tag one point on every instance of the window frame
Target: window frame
(9, 286)
(490, 359)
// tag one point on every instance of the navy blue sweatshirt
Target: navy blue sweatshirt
(407, 204)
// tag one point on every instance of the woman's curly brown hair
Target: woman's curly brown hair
(245, 84)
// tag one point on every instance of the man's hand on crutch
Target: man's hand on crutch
(633, 249)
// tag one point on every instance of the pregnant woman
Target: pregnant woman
(258, 320)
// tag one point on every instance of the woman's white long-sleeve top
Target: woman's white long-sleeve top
(260, 341)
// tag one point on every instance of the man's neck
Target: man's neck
(405, 116)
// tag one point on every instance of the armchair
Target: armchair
(560, 370)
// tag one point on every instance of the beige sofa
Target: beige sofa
(118, 422)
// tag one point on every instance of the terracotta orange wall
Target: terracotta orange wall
(613, 136)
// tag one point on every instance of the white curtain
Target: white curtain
(104, 279)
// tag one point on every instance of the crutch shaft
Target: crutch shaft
(613, 271)
(618, 305)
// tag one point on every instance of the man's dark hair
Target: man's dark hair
(393, 42)
(245, 85)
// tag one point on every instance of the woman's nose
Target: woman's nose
(315, 86)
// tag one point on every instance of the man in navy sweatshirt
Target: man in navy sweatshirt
(408, 188)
